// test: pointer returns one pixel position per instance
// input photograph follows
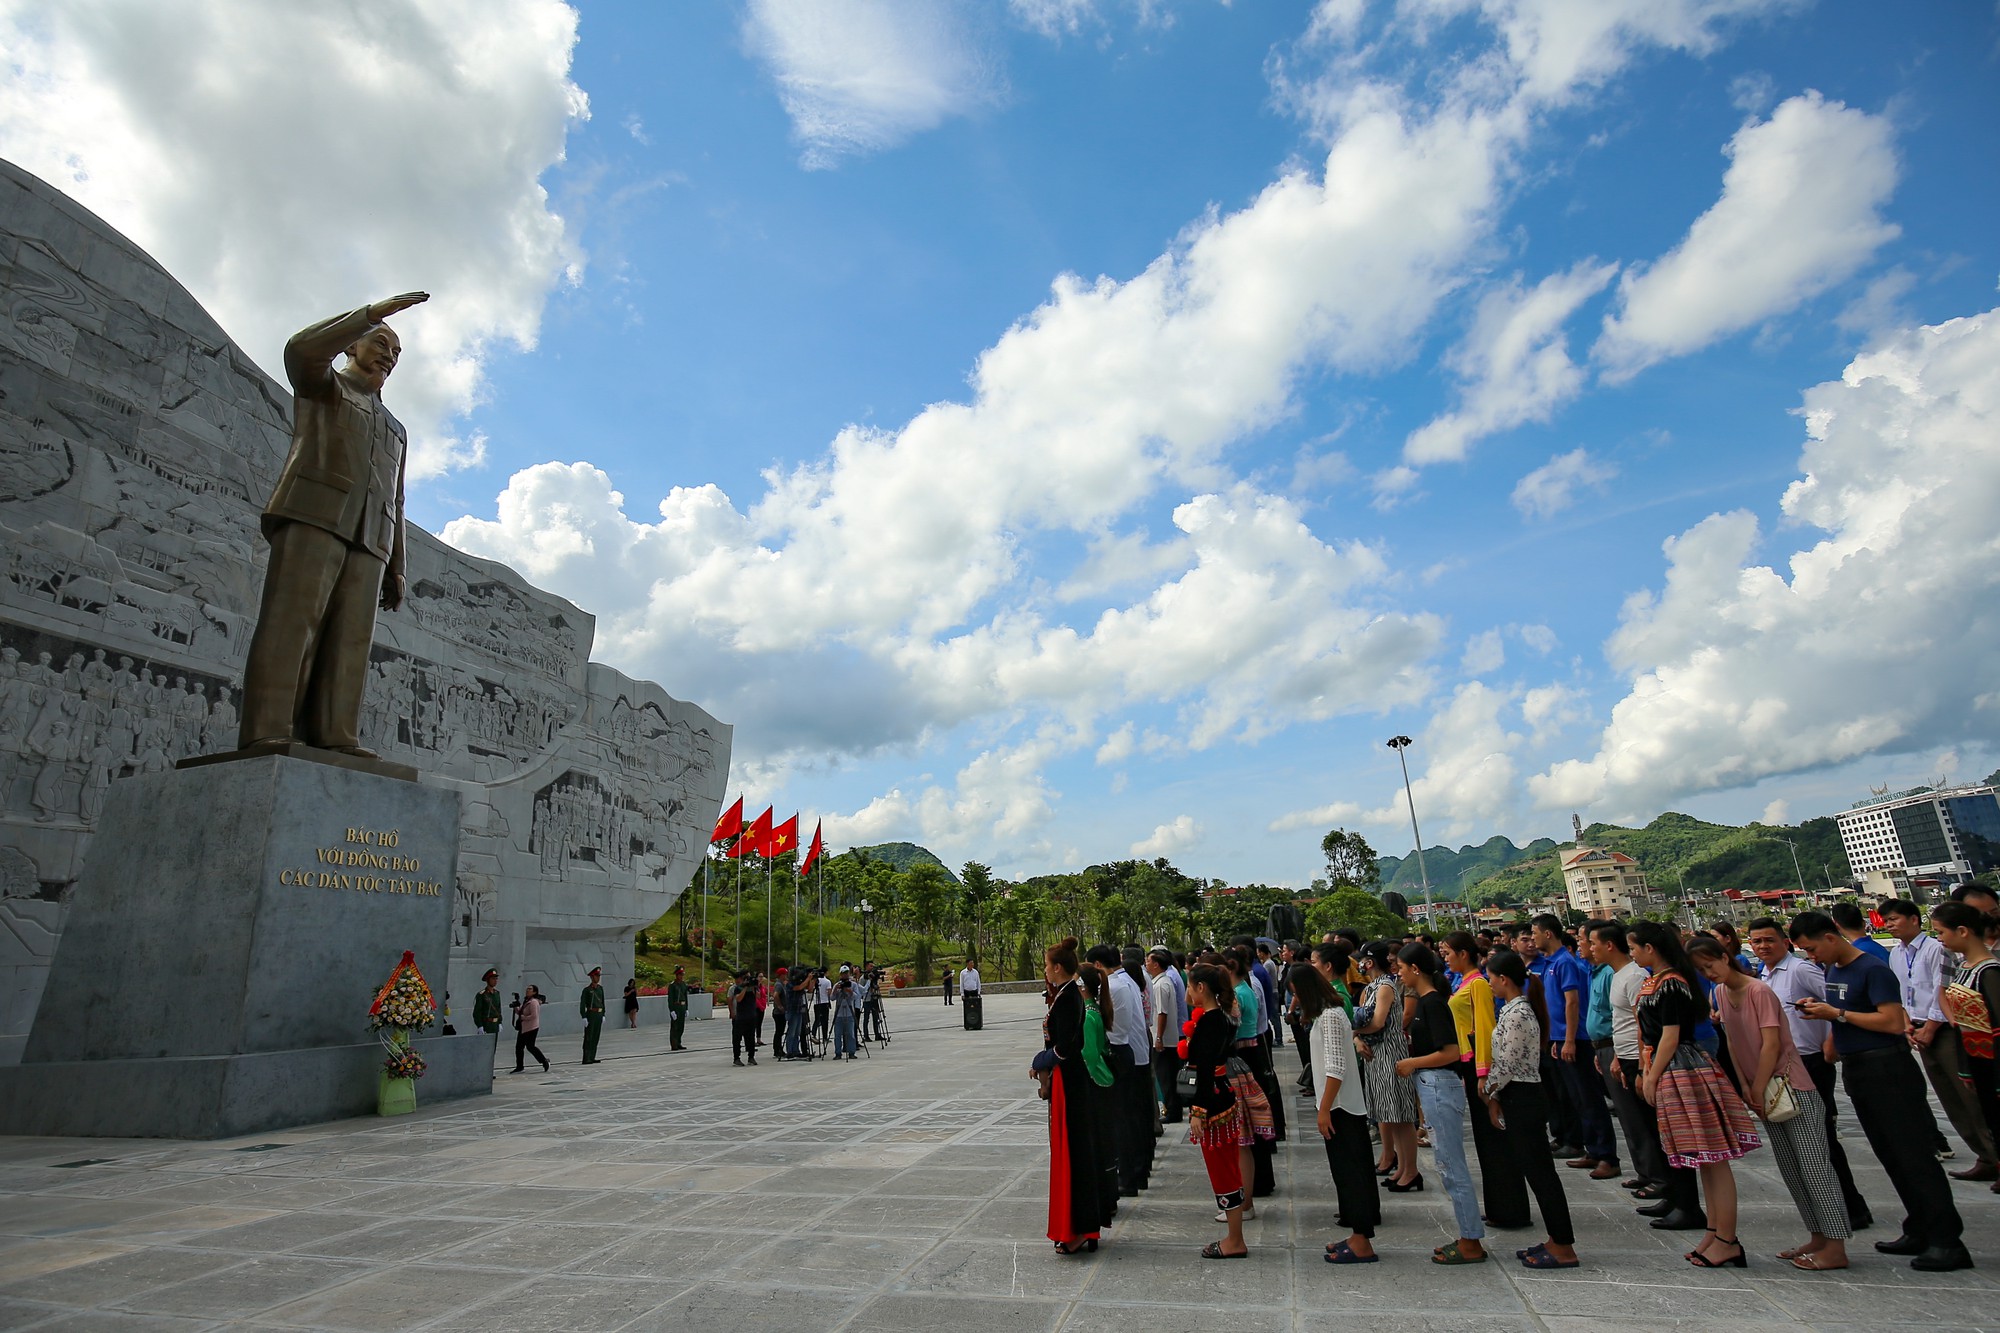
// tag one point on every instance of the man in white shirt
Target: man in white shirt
(1130, 1102)
(968, 997)
(1795, 977)
(1166, 1063)
(1922, 968)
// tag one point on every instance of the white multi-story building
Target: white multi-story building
(1602, 883)
(1949, 832)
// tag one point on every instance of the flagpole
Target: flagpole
(739, 905)
(821, 868)
(795, 918)
(704, 920)
(768, 886)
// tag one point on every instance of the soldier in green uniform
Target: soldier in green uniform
(677, 1005)
(486, 1004)
(591, 1006)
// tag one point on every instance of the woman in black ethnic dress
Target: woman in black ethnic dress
(1078, 1209)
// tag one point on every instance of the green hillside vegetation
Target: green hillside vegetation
(900, 856)
(1450, 869)
(1709, 858)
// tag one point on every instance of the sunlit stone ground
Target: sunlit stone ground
(905, 1191)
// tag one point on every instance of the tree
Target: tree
(1350, 861)
(1352, 907)
(976, 888)
(1241, 912)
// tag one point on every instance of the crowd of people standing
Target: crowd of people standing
(1521, 1049)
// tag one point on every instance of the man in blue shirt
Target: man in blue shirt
(1864, 1002)
(1854, 928)
(1566, 991)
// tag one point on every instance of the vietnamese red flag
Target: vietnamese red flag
(813, 853)
(1875, 921)
(754, 839)
(784, 838)
(729, 825)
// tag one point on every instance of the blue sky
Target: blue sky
(1059, 431)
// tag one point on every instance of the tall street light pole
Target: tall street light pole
(1399, 744)
(1800, 874)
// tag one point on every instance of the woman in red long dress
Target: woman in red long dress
(1078, 1209)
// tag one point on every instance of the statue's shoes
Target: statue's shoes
(356, 751)
(267, 745)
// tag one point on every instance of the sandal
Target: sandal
(1793, 1253)
(1541, 1258)
(1088, 1245)
(1539, 1248)
(1340, 1252)
(1737, 1260)
(1451, 1256)
(1810, 1263)
(1214, 1250)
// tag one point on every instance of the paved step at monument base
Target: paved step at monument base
(223, 1096)
(226, 938)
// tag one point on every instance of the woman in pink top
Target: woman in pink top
(1760, 1048)
(528, 1025)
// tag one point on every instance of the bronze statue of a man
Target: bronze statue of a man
(335, 524)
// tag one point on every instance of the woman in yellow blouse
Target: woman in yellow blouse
(1472, 1013)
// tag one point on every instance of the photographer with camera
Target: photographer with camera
(846, 1008)
(822, 1005)
(871, 1011)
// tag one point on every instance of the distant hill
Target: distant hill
(903, 855)
(1448, 869)
(1678, 848)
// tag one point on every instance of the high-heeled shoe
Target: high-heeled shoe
(1088, 1245)
(1738, 1260)
(1416, 1183)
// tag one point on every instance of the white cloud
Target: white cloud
(287, 162)
(1553, 487)
(1467, 782)
(1538, 637)
(1170, 839)
(1777, 812)
(1515, 361)
(1562, 47)
(1484, 653)
(1800, 211)
(1117, 747)
(1547, 709)
(1878, 638)
(859, 76)
(1119, 560)
(1052, 18)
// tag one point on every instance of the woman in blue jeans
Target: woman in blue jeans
(1433, 1062)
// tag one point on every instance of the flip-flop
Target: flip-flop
(1214, 1250)
(1543, 1259)
(1340, 1252)
(1451, 1256)
(1808, 1264)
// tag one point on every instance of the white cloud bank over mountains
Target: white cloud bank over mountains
(1878, 637)
(280, 158)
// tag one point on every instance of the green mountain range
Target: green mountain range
(1448, 870)
(903, 855)
(1674, 849)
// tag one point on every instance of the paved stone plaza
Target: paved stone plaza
(902, 1192)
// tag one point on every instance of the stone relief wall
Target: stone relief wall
(137, 446)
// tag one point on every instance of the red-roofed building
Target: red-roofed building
(1602, 883)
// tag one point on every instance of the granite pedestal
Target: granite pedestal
(223, 943)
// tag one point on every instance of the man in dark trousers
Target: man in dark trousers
(1864, 1002)
(743, 1018)
(677, 1009)
(486, 1004)
(591, 1006)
